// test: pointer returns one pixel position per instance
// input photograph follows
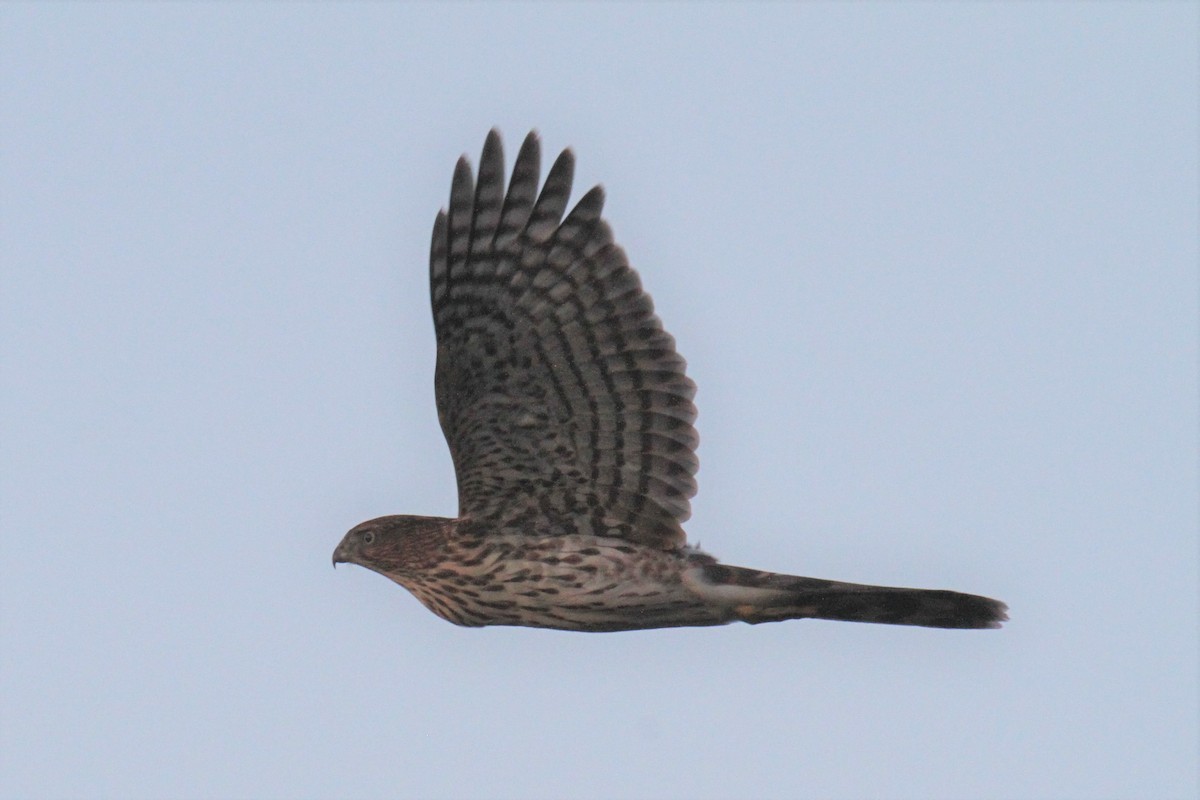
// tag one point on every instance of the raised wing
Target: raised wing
(563, 400)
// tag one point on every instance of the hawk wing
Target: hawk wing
(563, 401)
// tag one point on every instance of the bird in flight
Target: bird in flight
(570, 423)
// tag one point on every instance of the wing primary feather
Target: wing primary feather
(578, 225)
(552, 202)
(522, 192)
(459, 220)
(489, 194)
(437, 265)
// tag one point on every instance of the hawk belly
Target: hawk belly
(577, 583)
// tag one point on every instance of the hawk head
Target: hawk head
(393, 544)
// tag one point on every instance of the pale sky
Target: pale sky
(934, 270)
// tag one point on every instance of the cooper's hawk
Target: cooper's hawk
(569, 419)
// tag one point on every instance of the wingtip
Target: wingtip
(493, 146)
(596, 194)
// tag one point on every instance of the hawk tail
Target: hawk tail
(755, 596)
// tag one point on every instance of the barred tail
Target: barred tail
(754, 596)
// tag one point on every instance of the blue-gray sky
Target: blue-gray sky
(934, 270)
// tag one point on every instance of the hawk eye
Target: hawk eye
(369, 537)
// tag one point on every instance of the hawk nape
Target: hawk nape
(569, 419)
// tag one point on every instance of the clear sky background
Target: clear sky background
(934, 268)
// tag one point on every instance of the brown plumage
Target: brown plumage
(570, 422)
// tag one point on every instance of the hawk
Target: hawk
(569, 418)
